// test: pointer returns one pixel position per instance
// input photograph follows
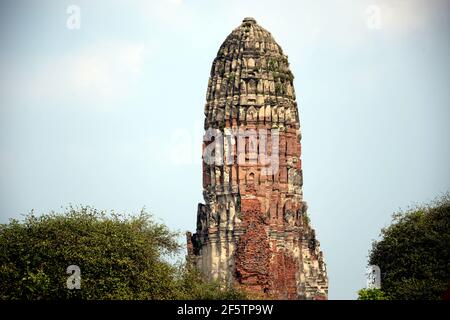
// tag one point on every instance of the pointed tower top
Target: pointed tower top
(249, 20)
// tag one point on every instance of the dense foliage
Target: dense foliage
(372, 294)
(414, 252)
(120, 257)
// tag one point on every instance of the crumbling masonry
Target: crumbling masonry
(253, 230)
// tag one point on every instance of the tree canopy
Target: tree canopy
(119, 257)
(414, 252)
(372, 294)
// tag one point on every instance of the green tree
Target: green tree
(372, 294)
(414, 252)
(120, 257)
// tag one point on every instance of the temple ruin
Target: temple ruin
(253, 230)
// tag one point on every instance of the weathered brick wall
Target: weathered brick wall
(253, 252)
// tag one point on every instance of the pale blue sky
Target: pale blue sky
(110, 115)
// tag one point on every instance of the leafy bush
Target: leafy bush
(414, 252)
(372, 294)
(120, 257)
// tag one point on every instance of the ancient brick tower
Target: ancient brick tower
(253, 229)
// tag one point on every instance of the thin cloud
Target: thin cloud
(93, 76)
